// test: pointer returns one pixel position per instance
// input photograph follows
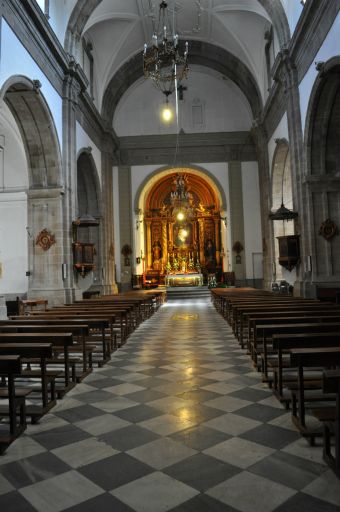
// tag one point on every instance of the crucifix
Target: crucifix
(181, 90)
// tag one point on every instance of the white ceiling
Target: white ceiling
(118, 30)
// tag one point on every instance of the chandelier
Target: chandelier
(164, 62)
(181, 200)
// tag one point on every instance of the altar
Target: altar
(190, 279)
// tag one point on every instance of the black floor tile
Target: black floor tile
(83, 412)
(201, 471)
(200, 437)
(254, 395)
(60, 436)
(128, 438)
(103, 503)
(138, 413)
(303, 502)
(33, 469)
(272, 436)
(203, 503)
(260, 412)
(115, 471)
(14, 502)
(286, 469)
(145, 396)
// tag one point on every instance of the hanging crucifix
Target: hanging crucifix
(181, 90)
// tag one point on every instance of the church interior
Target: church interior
(169, 255)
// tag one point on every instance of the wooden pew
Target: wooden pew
(79, 331)
(306, 358)
(271, 319)
(331, 420)
(95, 322)
(285, 343)
(299, 308)
(267, 332)
(42, 352)
(64, 340)
(10, 366)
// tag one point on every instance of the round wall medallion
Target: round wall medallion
(328, 229)
(45, 239)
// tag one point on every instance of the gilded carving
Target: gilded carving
(45, 239)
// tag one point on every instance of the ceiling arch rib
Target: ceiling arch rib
(84, 9)
(204, 54)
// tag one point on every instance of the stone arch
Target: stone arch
(281, 193)
(88, 185)
(204, 54)
(89, 204)
(78, 19)
(148, 182)
(322, 121)
(45, 212)
(321, 188)
(37, 128)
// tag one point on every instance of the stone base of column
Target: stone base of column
(56, 297)
(107, 289)
(3, 308)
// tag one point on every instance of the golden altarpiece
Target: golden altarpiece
(182, 230)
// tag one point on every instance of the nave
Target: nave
(177, 420)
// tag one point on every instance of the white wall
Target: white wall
(17, 61)
(84, 141)
(13, 243)
(330, 48)
(251, 214)
(60, 11)
(224, 107)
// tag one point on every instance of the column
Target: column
(46, 245)
(236, 218)
(148, 245)
(217, 241)
(125, 224)
(108, 278)
(164, 242)
(201, 240)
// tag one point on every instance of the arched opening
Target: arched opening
(179, 228)
(282, 193)
(322, 187)
(35, 131)
(88, 193)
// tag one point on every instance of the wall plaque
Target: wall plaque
(45, 239)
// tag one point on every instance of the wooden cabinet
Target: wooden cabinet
(289, 251)
(83, 257)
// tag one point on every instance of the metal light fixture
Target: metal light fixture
(283, 213)
(165, 60)
(182, 209)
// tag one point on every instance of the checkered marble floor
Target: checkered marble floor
(178, 420)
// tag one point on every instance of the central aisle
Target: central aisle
(178, 420)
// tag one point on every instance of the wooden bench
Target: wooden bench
(277, 331)
(263, 320)
(79, 331)
(46, 392)
(10, 366)
(307, 358)
(96, 323)
(331, 420)
(57, 340)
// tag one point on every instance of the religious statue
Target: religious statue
(209, 250)
(157, 250)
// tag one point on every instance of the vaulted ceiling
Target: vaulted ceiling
(234, 29)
